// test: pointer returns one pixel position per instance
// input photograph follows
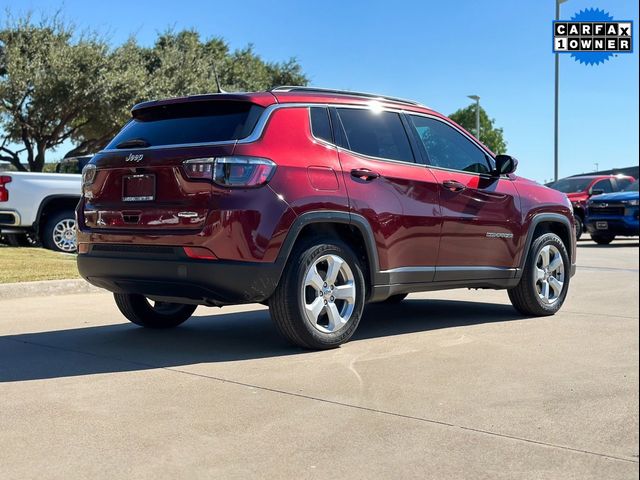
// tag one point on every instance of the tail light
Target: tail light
(88, 174)
(237, 171)
(199, 168)
(4, 193)
(199, 253)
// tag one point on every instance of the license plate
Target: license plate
(602, 225)
(138, 188)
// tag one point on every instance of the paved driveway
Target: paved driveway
(446, 385)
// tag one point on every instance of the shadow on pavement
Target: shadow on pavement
(212, 338)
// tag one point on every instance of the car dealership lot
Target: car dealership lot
(445, 385)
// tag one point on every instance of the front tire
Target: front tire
(319, 300)
(603, 238)
(579, 227)
(140, 311)
(545, 280)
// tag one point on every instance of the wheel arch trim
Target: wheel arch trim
(329, 217)
(46, 201)
(533, 224)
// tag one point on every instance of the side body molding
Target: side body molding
(418, 279)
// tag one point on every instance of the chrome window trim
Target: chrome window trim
(342, 149)
(457, 129)
(465, 135)
(380, 159)
(264, 118)
(320, 140)
(258, 130)
(383, 159)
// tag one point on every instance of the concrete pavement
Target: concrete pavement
(445, 385)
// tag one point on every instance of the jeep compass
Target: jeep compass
(314, 202)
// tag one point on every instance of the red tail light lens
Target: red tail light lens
(243, 171)
(200, 253)
(4, 193)
(236, 171)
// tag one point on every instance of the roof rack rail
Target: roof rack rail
(286, 88)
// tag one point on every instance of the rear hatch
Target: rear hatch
(141, 181)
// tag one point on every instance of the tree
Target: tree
(46, 82)
(58, 85)
(491, 136)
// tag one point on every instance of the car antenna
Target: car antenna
(215, 75)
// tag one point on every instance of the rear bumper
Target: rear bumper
(10, 222)
(177, 278)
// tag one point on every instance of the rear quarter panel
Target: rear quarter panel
(308, 174)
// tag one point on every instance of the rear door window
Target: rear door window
(186, 123)
(448, 148)
(375, 134)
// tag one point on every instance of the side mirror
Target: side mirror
(505, 164)
(597, 191)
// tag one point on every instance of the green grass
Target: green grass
(31, 264)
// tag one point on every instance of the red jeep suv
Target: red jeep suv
(314, 202)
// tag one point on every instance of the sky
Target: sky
(435, 52)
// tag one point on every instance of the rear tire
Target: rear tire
(545, 280)
(603, 239)
(138, 310)
(59, 232)
(313, 308)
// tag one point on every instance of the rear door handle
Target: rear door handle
(453, 185)
(364, 174)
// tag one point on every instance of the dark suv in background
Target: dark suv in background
(313, 202)
(614, 214)
(581, 188)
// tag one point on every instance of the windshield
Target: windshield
(632, 188)
(571, 185)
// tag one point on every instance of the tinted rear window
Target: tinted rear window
(320, 126)
(184, 123)
(376, 134)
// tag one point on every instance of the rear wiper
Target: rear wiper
(134, 143)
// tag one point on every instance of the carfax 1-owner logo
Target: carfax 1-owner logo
(592, 36)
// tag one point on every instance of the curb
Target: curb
(46, 288)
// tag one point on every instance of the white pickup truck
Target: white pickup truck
(39, 206)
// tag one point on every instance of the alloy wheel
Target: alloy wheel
(64, 235)
(328, 293)
(549, 274)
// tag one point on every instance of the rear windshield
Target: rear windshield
(183, 123)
